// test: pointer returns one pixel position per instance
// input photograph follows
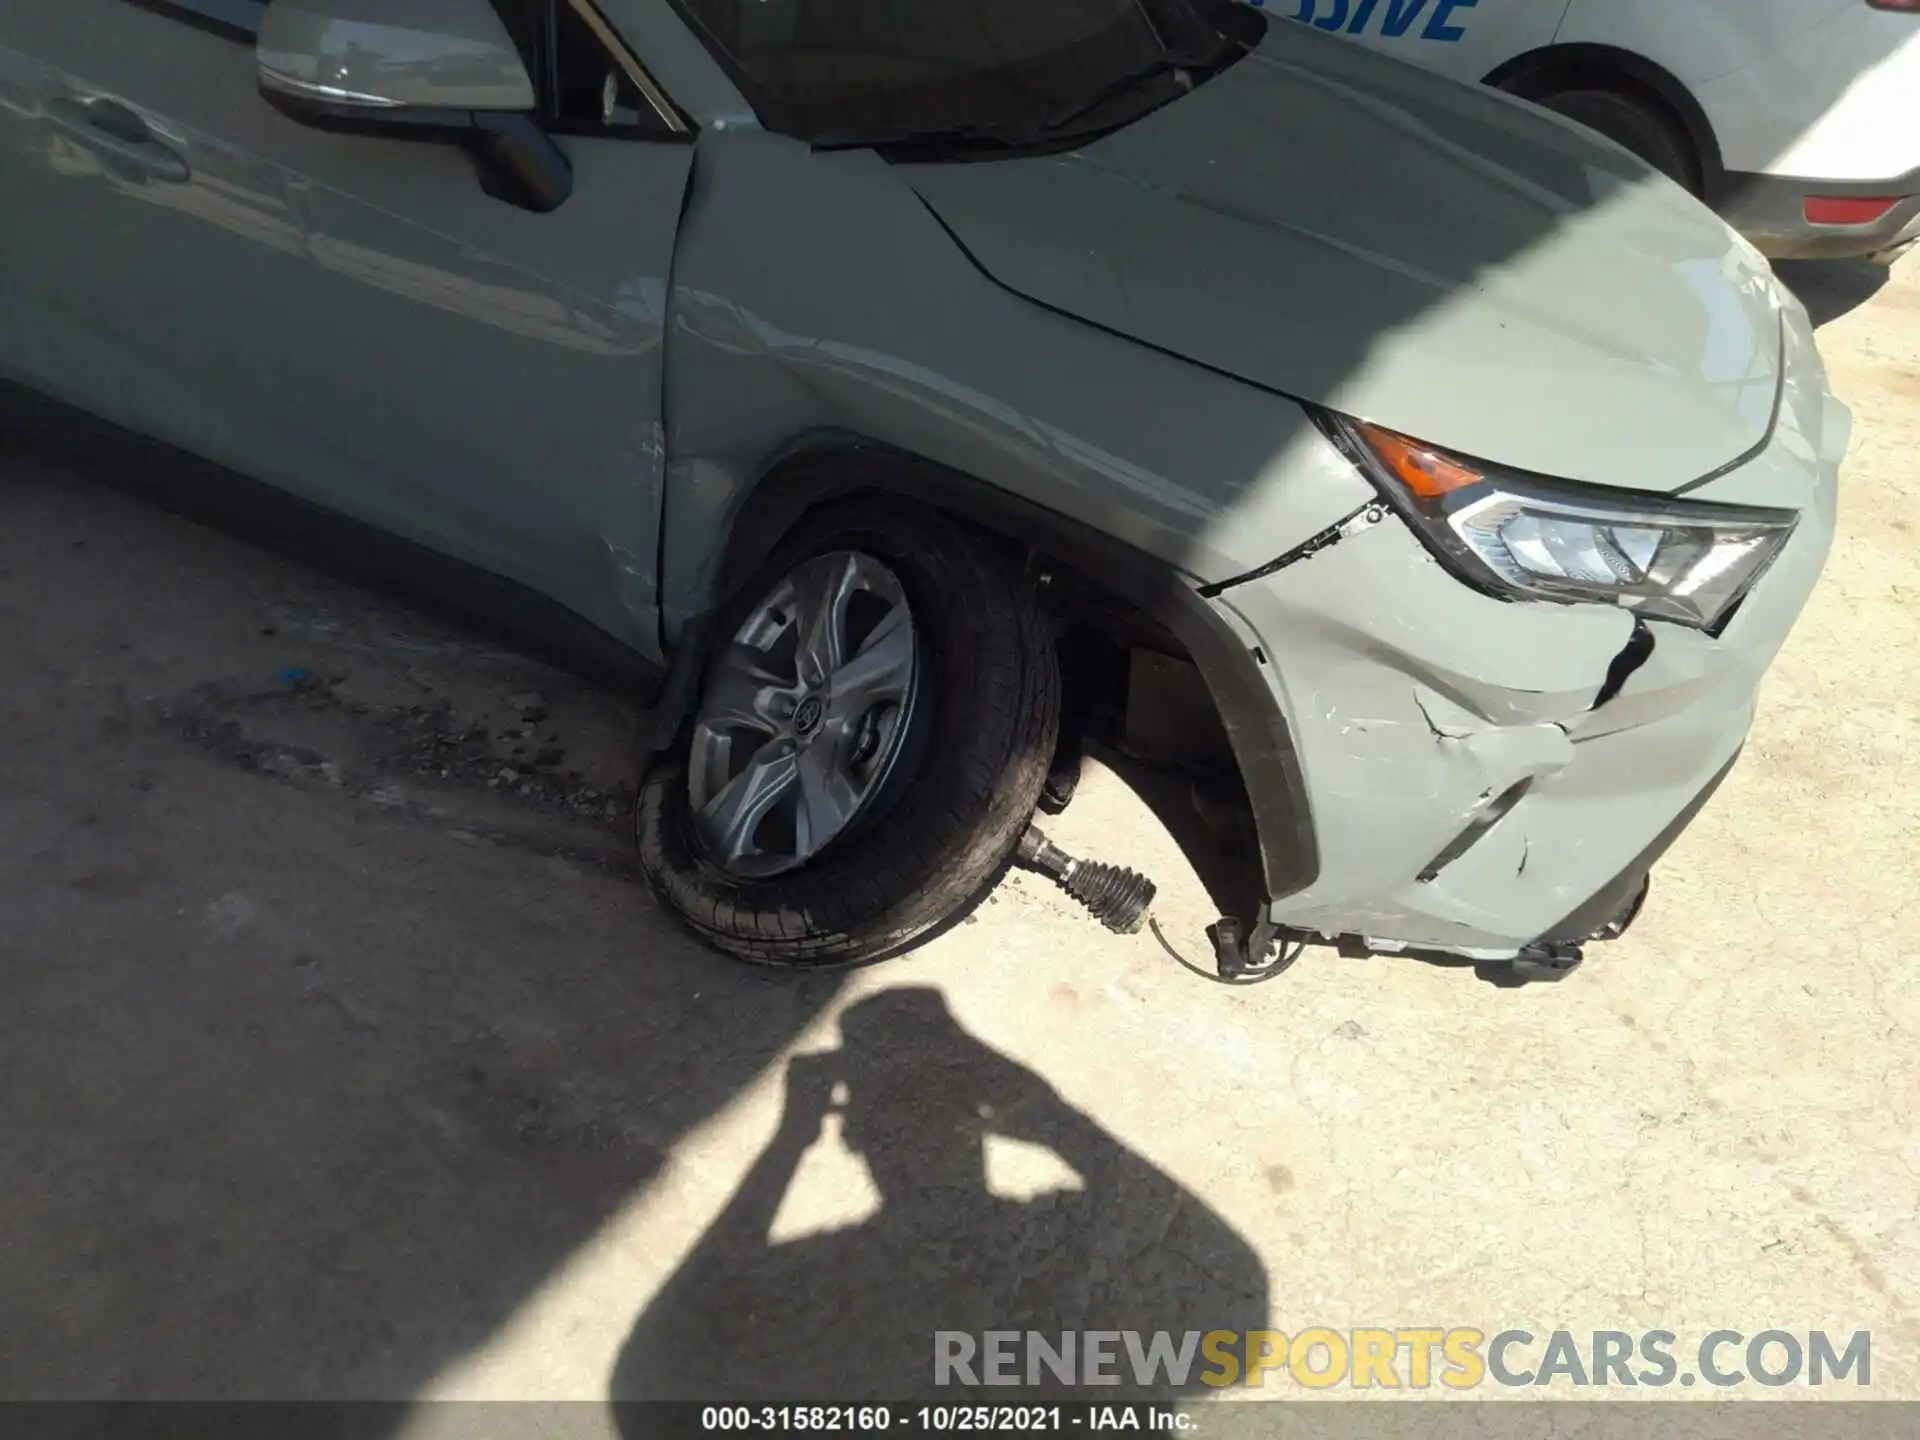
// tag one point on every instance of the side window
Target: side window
(584, 85)
(592, 90)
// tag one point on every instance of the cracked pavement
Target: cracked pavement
(345, 1057)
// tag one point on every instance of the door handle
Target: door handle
(119, 136)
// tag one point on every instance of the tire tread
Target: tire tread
(949, 835)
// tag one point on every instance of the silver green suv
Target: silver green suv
(920, 390)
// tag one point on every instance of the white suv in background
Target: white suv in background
(1799, 120)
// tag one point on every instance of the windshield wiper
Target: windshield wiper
(1188, 69)
(945, 137)
(1177, 66)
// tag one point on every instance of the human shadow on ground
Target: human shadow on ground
(852, 1312)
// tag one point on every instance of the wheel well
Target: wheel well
(1606, 67)
(1152, 672)
(1108, 624)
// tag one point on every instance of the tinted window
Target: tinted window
(591, 90)
(583, 87)
(815, 68)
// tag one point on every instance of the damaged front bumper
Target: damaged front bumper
(1495, 779)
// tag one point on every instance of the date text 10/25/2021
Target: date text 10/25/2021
(908, 1420)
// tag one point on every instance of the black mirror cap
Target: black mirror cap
(519, 162)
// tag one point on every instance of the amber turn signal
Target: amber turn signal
(1423, 470)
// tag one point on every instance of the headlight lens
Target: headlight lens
(1521, 537)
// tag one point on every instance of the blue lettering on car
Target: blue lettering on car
(1332, 20)
(1437, 27)
(1400, 14)
(1396, 16)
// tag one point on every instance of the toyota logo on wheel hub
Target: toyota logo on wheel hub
(806, 718)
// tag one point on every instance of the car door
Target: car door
(136, 197)
(353, 318)
(1464, 39)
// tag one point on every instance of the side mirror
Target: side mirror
(428, 69)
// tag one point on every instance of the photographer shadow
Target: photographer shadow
(851, 1313)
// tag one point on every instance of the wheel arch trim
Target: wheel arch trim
(824, 466)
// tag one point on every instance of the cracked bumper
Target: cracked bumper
(1467, 793)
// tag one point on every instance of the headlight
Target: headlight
(1522, 537)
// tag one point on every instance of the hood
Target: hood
(1435, 257)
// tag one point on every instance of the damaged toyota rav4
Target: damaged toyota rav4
(919, 389)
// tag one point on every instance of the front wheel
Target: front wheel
(874, 728)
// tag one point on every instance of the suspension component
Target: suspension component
(1117, 897)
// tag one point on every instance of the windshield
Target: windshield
(837, 70)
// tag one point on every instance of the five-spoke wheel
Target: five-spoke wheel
(871, 736)
(803, 714)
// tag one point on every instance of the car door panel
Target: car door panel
(107, 278)
(500, 368)
(353, 318)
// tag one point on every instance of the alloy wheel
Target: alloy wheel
(803, 715)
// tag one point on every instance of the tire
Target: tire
(974, 752)
(1633, 124)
